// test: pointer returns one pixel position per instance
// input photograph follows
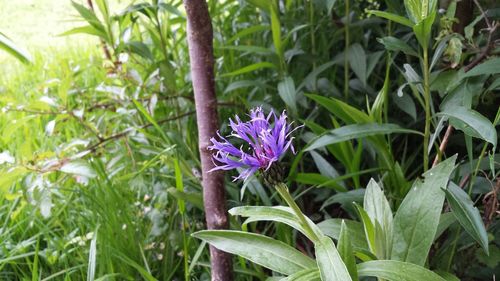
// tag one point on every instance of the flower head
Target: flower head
(262, 143)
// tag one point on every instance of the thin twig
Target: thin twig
(443, 145)
(124, 133)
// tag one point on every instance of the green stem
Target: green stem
(346, 48)
(313, 39)
(427, 101)
(285, 194)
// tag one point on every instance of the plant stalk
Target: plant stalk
(282, 189)
(346, 48)
(427, 101)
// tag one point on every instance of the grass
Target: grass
(132, 219)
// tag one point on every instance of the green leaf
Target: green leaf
(249, 68)
(346, 252)
(378, 209)
(139, 48)
(472, 123)
(355, 131)
(467, 215)
(397, 271)
(277, 213)
(447, 276)
(332, 228)
(486, 68)
(88, 29)
(80, 168)
(357, 61)
(179, 185)
(287, 92)
(369, 228)
(170, 8)
(262, 4)
(445, 221)
(7, 45)
(423, 30)
(416, 221)
(194, 198)
(304, 275)
(348, 197)
(342, 110)
(276, 28)
(9, 177)
(260, 249)
(393, 17)
(330, 264)
(250, 49)
(395, 44)
(320, 180)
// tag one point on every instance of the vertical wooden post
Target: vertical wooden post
(200, 41)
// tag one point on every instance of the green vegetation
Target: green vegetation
(395, 174)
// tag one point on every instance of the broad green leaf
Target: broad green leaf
(416, 221)
(423, 30)
(139, 48)
(80, 168)
(471, 123)
(260, 249)
(277, 213)
(445, 221)
(7, 45)
(304, 275)
(287, 92)
(346, 251)
(397, 271)
(393, 17)
(355, 131)
(332, 228)
(249, 68)
(395, 44)
(369, 228)
(330, 264)
(447, 276)
(357, 61)
(467, 215)
(486, 68)
(378, 209)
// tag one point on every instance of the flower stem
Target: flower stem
(346, 48)
(285, 194)
(427, 100)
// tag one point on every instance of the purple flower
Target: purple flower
(262, 143)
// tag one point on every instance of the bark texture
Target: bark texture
(200, 41)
